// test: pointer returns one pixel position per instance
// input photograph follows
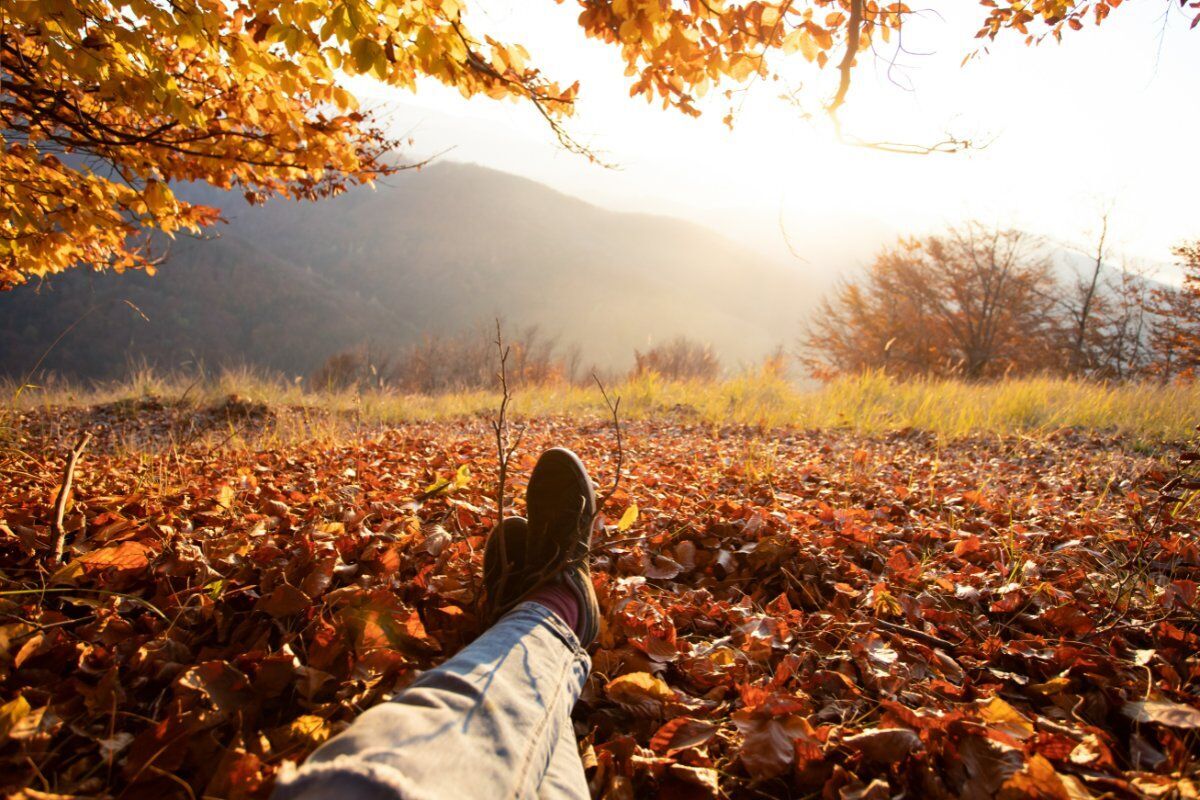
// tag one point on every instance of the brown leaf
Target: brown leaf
(117, 563)
(1069, 619)
(239, 775)
(305, 733)
(1003, 717)
(285, 601)
(984, 765)
(381, 621)
(222, 686)
(884, 745)
(1163, 712)
(877, 789)
(769, 743)
(662, 568)
(1036, 781)
(29, 648)
(706, 779)
(681, 733)
(641, 693)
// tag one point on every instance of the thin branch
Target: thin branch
(951, 144)
(853, 34)
(532, 92)
(64, 492)
(912, 633)
(28, 376)
(845, 67)
(505, 447)
(500, 425)
(613, 408)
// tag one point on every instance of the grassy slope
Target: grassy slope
(1149, 412)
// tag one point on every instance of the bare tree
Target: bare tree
(1125, 353)
(446, 363)
(679, 359)
(969, 302)
(1085, 308)
(1174, 338)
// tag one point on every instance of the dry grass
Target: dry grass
(870, 403)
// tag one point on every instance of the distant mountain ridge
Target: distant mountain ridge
(436, 251)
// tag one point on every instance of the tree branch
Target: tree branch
(64, 493)
(853, 37)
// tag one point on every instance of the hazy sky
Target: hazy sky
(1108, 117)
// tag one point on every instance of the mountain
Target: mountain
(438, 251)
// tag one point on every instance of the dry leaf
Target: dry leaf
(1163, 712)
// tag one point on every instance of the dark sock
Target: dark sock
(562, 601)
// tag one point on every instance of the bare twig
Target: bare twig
(28, 376)
(920, 636)
(505, 447)
(613, 408)
(951, 144)
(64, 492)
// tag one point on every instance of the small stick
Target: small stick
(920, 636)
(506, 444)
(64, 492)
(505, 447)
(613, 408)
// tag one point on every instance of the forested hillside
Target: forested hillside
(430, 252)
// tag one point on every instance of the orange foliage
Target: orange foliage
(921, 628)
(1175, 338)
(106, 104)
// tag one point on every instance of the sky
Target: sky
(1102, 121)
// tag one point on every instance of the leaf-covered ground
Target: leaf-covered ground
(789, 615)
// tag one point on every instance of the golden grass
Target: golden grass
(869, 403)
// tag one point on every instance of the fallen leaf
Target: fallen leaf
(11, 713)
(224, 688)
(769, 743)
(116, 562)
(628, 518)
(285, 601)
(884, 745)
(1037, 780)
(681, 733)
(707, 778)
(641, 693)
(1003, 717)
(1163, 712)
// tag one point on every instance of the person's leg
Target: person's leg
(494, 720)
(484, 724)
(565, 777)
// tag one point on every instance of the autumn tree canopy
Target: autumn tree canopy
(973, 301)
(1175, 335)
(983, 303)
(104, 104)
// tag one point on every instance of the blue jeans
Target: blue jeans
(492, 722)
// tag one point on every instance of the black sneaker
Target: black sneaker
(561, 503)
(552, 545)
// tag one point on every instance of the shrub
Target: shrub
(680, 359)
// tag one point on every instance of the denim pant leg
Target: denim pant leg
(484, 724)
(565, 777)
